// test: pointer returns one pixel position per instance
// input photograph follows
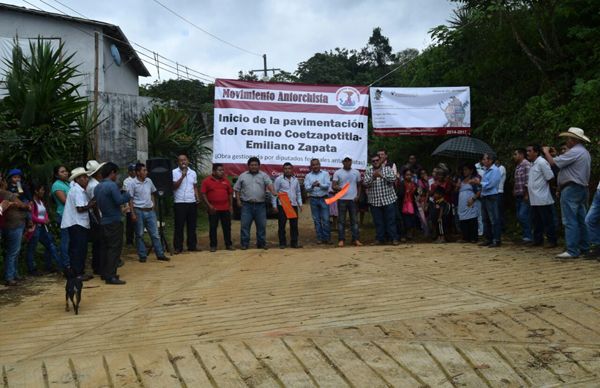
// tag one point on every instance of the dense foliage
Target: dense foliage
(190, 96)
(39, 116)
(533, 67)
(171, 132)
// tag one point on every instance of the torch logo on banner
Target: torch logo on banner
(347, 99)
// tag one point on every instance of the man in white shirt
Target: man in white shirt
(95, 176)
(129, 224)
(186, 197)
(480, 171)
(76, 220)
(349, 202)
(540, 197)
(143, 215)
(502, 170)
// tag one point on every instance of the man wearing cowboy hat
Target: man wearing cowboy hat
(573, 181)
(93, 171)
(76, 220)
(95, 176)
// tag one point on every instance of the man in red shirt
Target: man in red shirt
(216, 192)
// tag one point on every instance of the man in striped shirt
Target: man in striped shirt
(520, 193)
(381, 195)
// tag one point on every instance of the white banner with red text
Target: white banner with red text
(421, 111)
(285, 122)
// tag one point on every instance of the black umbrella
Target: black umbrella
(463, 147)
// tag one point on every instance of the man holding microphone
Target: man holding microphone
(185, 193)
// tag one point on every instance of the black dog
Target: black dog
(73, 290)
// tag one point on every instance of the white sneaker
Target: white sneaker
(565, 255)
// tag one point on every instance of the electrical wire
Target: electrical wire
(177, 72)
(66, 6)
(172, 61)
(405, 63)
(137, 44)
(206, 32)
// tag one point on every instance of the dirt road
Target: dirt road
(413, 315)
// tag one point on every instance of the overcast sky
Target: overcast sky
(288, 31)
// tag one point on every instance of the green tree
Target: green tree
(378, 52)
(171, 132)
(250, 76)
(339, 66)
(191, 96)
(42, 106)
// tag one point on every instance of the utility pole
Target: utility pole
(265, 69)
(96, 78)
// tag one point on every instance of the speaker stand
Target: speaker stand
(161, 229)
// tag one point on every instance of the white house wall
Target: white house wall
(118, 79)
(78, 39)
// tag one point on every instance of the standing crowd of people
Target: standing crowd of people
(89, 208)
(406, 200)
(402, 202)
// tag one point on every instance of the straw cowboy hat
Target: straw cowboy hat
(576, 133)
(93, 167)
(76, 173)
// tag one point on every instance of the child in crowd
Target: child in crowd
(423, 184)
(363, 206)
(440, 212)
(39, 232)
(333, 211)
(468, 211)
(407, 190)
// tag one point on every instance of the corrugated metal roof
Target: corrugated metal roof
(111, 31)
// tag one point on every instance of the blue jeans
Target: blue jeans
(492, 227)
(320, 216)
(64, 241)
(256, 212)
(573, 205)
(524, 217)
(44, 236)
(384, 218)
(351, 207)
(147, 219)
(592, 220)
(12, 242)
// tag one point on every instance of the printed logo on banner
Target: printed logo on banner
(347, 99)
(454, 111)
(378, 93)
(434, 111)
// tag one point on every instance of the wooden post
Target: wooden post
(95, 111)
